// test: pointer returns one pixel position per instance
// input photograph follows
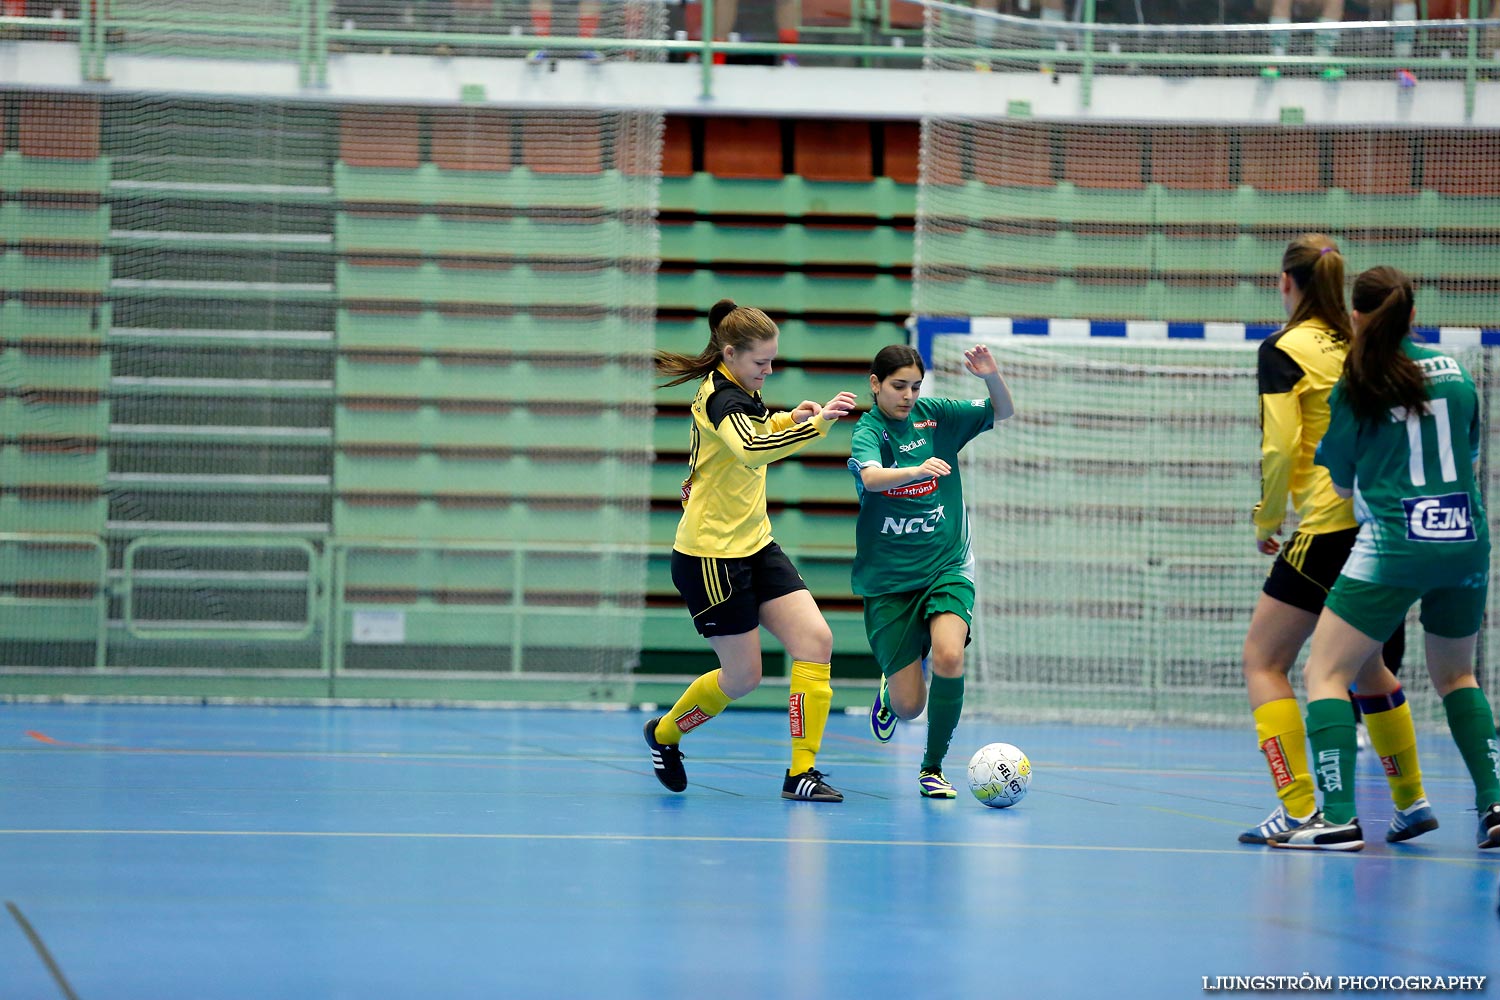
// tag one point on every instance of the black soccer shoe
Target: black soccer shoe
(666, 760)
(1489, 827)
(809, 786)
(1318, 834)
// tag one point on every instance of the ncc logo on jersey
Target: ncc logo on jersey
(1439, 519)
(921, 524)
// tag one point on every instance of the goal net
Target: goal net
(1110, 516)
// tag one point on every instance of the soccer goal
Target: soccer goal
(1111, 517)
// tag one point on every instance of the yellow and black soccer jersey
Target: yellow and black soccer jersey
(734, 438)
(1296, 369)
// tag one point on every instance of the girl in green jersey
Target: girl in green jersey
(1403, 440)
(912, 562)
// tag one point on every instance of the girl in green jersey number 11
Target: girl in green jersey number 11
(912, 564)
(1403, 440)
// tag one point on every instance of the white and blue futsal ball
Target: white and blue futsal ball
(999, 775)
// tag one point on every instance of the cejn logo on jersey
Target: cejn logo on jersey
(927, 522)
(1439, 519)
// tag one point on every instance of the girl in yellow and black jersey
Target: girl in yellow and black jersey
(725, 564)
(1296, 368)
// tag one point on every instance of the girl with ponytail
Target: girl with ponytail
(1296, 368)
(1403, 441)
(730, 572)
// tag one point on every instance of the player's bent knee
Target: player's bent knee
(947, 663)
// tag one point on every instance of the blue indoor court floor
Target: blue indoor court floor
(218, 853)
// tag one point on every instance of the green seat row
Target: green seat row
(19, 270)
(511, 332)
(383, 515)
(795, 292)
(21, 222)
(429, 184)
(1241, 207)
(78, 467)
(518, 476)
(507, 380)
(45, 174)
(22, 367)
(789, 197)
(793, 244)
(431, 425)
(1159, 253)
(26, 321)
(517, 286)
(429, 234)
(83, 512)
(73, 419)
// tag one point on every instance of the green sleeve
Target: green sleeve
(1336, 450)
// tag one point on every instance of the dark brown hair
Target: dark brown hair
(894, 358)
(729, 325)
(1317, 269)
(1377, 373)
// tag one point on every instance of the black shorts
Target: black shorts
(1307, 566)
(724, 595)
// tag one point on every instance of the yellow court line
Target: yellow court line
(659, 838)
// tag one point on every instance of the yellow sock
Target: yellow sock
(811, 696)
(1282, 736)
(702, 700)
(1394, 738)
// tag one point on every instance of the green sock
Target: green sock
(945, 703)
(1473, 727)
(1330, 730)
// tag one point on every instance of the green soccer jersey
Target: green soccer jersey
(1421, 516)
(909, 535)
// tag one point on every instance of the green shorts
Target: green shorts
(1378, 609)
(897, 623)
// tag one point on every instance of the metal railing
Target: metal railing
(323, 585)
(307, 31)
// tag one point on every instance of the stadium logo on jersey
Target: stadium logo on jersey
(913, 446)
(925, 423)
(794, 715)
(691, 719)
(914, 525)
(921, 489)
(1439, 519)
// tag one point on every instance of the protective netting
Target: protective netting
(341, 389)
(1128, 212)
(1117, 567)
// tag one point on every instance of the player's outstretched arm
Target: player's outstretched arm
(836, 408)
(981, 363)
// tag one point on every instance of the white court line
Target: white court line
(657, 838)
